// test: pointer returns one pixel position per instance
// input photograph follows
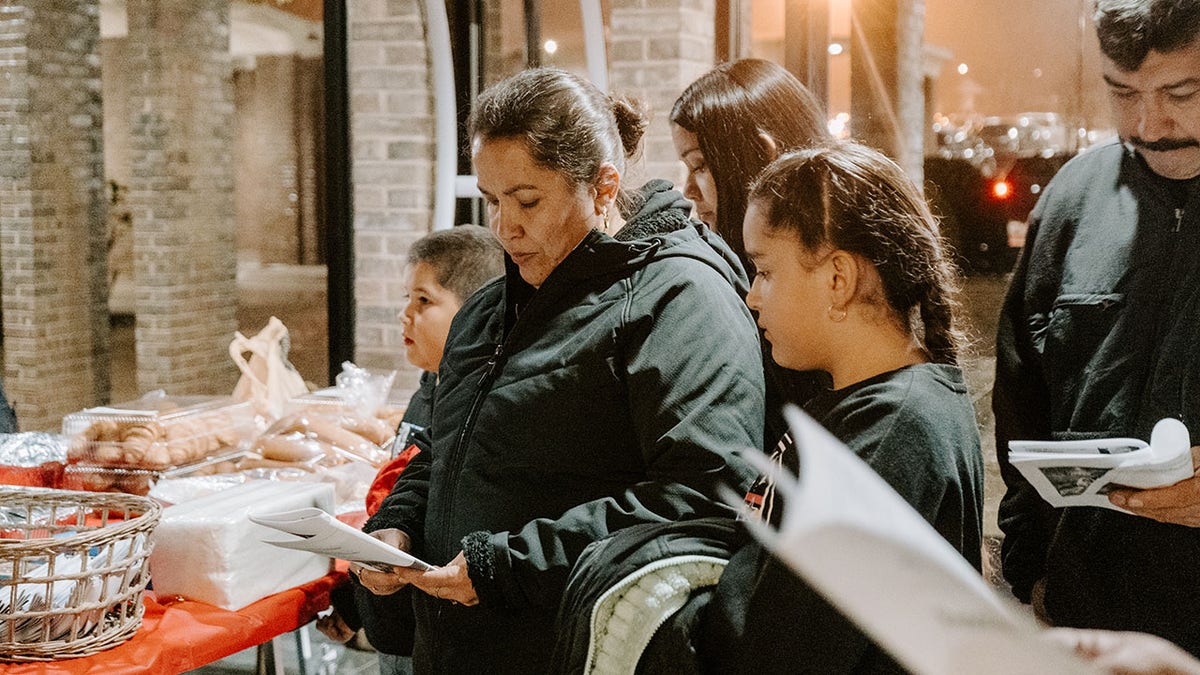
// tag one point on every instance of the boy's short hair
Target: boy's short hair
(463, 258)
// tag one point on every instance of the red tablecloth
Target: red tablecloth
(178, 636)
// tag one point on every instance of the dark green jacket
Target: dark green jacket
(1100, 336)
(620, 392)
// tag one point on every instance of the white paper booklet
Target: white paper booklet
(1082, 473)
(317, 531)
(857, 542)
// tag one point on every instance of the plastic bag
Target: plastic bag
(363, 391)
(268, 379)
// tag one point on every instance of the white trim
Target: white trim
(593, 42)
(445, 114)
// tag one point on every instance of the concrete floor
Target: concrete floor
(323, 658)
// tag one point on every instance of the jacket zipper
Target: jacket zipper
(456, 457)
(1178, 219)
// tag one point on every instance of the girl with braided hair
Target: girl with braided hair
(852, 279)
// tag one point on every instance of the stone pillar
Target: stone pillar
(53, 238)
(656, 49)
(181, 194)
(886, 89)
(392, 125)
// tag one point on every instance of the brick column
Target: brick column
(886, 80)
(53, 271)
(181, 194)
(393, 149)
(656, 49)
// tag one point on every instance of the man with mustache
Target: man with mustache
(1100, 337)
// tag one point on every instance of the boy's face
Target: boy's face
(426, 318)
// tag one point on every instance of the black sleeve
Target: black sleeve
(1020, 401)
(343, 601)
(404, 507)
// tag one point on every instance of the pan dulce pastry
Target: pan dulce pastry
(158, 433)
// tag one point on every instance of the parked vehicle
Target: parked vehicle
(984, 216)
(984, 178)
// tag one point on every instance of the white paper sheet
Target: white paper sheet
(856, 541)
(319, 532)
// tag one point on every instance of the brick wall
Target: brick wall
(392, 138)
(52, 211)
(656, 49)
(181, 194)
(310, 158)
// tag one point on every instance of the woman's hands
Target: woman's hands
(450, 582)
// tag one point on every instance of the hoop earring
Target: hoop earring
(837, 315)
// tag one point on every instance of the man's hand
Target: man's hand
(1178, 503)
(1037, 600)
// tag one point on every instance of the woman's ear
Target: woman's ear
(768, 145)
(606, 187)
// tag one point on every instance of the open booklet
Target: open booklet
(858, 543)
(1082, 473)
(318, 532)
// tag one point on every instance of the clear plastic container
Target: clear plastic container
(159, 432)
(91, 478)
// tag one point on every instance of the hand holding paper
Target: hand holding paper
(1178, 503)
(1083, 473)
(319, 532)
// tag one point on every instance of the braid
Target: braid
(943, 339)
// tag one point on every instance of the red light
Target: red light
(1001, 189)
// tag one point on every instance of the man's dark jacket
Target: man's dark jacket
(1100, 336)
(620, 392)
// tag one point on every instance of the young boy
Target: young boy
(444, 269)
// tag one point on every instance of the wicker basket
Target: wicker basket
(72, 571)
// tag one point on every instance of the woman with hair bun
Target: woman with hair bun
(606, 381)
